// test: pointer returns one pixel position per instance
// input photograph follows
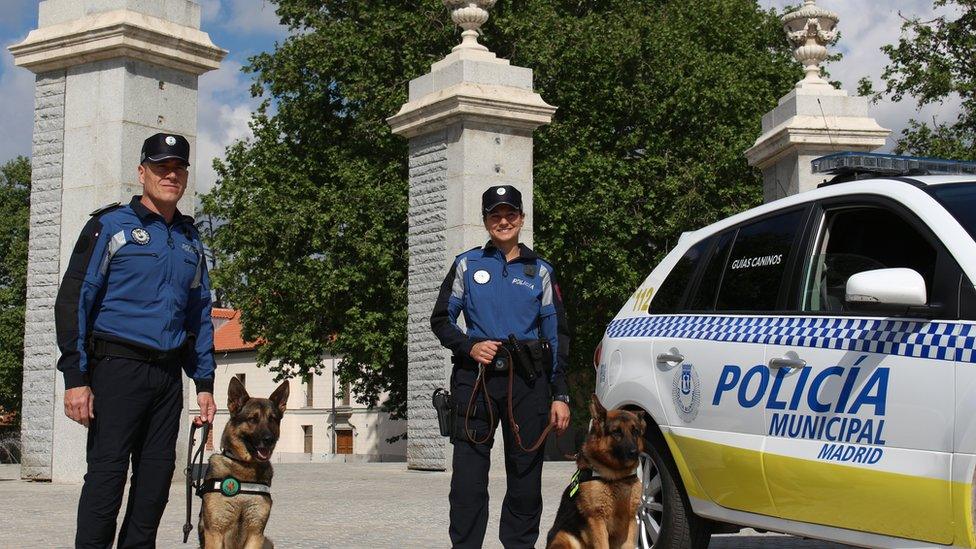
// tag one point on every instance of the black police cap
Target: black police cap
(498, 195)
(165, 146)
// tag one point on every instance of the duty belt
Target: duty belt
(104, 347)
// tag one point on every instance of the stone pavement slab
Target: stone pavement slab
(324, 505)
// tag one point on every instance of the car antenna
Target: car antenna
(826, 126)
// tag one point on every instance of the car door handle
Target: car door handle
(671, 357)
(786, 362)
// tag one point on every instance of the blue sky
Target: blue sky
(244, 27)
(247, 27)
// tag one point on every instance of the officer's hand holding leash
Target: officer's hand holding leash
(208, 408)
(484, 352)
(79, 404)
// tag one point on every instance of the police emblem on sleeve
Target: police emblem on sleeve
(140, 236)
(482, 277)
(686, 392)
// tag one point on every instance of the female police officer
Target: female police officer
(503, 289)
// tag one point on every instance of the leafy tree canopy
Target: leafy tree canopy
(14, 222)
(933, 62)
(658, 100)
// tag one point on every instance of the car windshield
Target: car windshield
(960, 200)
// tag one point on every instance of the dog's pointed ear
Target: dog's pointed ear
(236, 396)
(280, 397)
(642, 419)
(598, 412)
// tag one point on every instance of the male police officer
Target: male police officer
(503, 289)
(133, 307)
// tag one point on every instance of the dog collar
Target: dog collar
(588, 475)
(230, 487)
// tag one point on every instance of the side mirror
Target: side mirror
(904, 287)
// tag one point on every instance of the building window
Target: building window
(308, 438)
(346, 391)
(308, 391)
(242, 378)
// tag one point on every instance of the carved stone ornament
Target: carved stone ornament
(810, 30)
(469, 15)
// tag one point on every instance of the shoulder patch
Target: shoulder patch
(106, 209)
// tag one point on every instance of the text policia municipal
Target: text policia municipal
(757, 385)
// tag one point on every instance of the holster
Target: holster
(447, 414)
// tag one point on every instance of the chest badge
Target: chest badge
(482, 277)
(140, 236)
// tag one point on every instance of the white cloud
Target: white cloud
(225, 109)
(866, 26)
(17, 107)
(245, 16)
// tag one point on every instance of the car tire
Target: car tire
(664, 516)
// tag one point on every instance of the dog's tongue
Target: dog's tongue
(263, 454)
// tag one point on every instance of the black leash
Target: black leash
(191, 484)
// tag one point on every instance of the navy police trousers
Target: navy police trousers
(522, 506)
(138, 407)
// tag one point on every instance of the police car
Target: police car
(809, 366)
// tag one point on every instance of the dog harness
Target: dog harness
(230, 487)
(589, 475)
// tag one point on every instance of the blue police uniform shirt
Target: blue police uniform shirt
(500, 297)
(135, 279)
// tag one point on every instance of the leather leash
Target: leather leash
(191, 484)
(481, 383)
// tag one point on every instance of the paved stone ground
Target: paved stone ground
(328, 505)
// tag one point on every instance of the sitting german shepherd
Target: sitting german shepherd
(237, 489)
(599, 506)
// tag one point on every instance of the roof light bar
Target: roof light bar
(888, 164)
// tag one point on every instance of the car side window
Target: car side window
(670, 295)
(858, 239)
(755, 268)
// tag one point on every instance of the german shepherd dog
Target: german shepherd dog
(598, 508)
(249, 438)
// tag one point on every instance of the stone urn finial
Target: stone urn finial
(811, 29)
(469, 15)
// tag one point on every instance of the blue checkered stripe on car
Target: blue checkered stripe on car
(912, 338)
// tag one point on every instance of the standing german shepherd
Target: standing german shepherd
(248, 440)
(598, 508)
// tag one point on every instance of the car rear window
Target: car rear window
(755, 267)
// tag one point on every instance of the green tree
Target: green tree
(14, 222)
(657, 102)
(933, 62)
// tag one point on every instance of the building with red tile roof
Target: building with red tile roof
(321, 422)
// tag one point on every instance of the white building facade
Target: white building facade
(323, 422)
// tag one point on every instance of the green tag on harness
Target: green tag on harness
(230, 487)
(574, 484)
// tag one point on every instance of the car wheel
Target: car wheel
(664, 516)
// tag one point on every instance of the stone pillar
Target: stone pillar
(814, 119)
(109, 74)
(470, 123)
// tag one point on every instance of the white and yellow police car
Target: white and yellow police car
(809, 366)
